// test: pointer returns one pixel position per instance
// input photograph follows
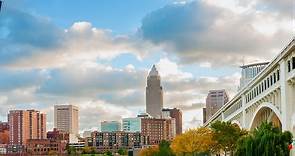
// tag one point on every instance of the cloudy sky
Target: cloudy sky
(96, 53)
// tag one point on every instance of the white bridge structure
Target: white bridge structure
(270, 96)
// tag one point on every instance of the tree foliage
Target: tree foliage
(4, 137)
(122, 151)
(162, 150)
(226, 136)
(193, 141)
(264, 141)
(150, 151)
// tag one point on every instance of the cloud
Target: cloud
(283, 8)
(31, 41)
(79, 80)
(22, 34)
(200, 32)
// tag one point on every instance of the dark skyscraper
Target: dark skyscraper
(154, 94)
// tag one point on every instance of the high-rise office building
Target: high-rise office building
(132, 124)
(66, 118)
(177, 115)
(214, 101)
(250, 71)
(110, 126)
(154, 94)
(26, 124)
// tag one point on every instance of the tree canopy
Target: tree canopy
(264, 141)
(193, 141)
(226, 136)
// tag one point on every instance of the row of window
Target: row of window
(264, 85)
(291, 64)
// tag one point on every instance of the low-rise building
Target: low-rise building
(3, 149)
(57, 135)
(45, 146)
(112, 141)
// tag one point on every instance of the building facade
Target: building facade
(154, 94)
(110, 126)
(46, 147)
(112, 141)
(155, 130)
(250, 71)
(26, 124)
(175, 114)
(214, 101)
(66, 118)
(131, 124)
(57, 135)
(4, 133)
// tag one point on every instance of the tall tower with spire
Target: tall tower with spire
(154, 94)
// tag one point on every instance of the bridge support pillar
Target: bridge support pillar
(286, 106)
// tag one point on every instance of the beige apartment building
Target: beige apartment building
(214, 101)
(66, 118)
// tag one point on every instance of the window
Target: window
(293, 62)
(271, 80)
(267, 82)
(274, 78)
(289, 66)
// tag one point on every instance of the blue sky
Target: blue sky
(96, 53)
(118, 16)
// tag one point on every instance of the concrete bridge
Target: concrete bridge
(270, 96)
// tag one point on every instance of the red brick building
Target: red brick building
(57, 135)
(177, 115)
(45, 147)
(24, 125)
(4, 133)
(155, 130)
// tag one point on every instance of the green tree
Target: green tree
(72, 150)
(122, 151)
(164, 149)
(226, 136)
(264, 141)
(108, 153)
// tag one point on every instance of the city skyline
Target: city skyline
(96, 58)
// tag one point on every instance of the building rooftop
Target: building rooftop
(254, 64)
(154, 71)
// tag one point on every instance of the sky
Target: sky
(96, 54)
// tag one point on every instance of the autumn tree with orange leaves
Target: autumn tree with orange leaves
(150, 151)
(193, 141)
(4, 137)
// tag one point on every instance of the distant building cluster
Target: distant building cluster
(26, 133)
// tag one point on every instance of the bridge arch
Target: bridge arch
(237, 122)
(266, 112)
